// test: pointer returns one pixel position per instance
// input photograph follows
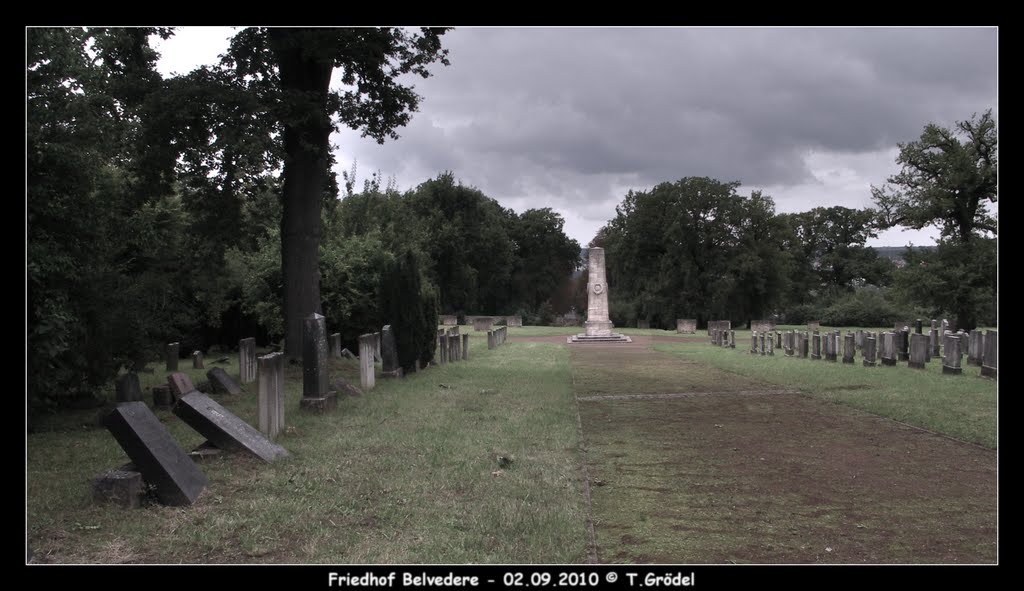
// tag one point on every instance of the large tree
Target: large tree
(947, 179)
(373, 100)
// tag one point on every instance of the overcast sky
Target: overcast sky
(572, 119)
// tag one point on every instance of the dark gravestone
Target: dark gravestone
(918, 350)
(163, 397)
(127, 388)
(442, 347)
(830, 346)
(974, 348)
(180, 384)
(778, 339)
(936, 337)
(224, 429)
(172, 356)
(315, 394)
(156, 455)
(220, 381)
(951, 357)
(816, 345)
(903, 344)
(990, 359)
(869, 350)
(335, 345)
(465, 347)
(849, 346)
(120, 487)
(197, 360)
(919, 326)
(389, 354)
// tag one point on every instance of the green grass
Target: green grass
(407, 473)
(961, 406)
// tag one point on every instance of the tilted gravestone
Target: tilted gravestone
(951, 356)
(316, 396)
(180, 384)
(224, 429)
(197, 360)
(990, 360)
(247, 360)
(366, 367)
(172, 356)
(869, 350)
(918, 350)
(270, 393)
(156, 455)
(220, 381)
(127, 388)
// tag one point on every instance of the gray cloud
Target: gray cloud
(568, 118)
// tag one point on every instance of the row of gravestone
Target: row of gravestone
(497, 337)
(451, 346)
(915, 348)
(453, 320)
(156, 459)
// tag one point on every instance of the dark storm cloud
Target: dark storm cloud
(568, 117)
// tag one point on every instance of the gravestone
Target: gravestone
(805, 345)
(816, 345)
(389, 353)
(849, 346)
(787, 343)
(859, 340)
(724, 337)
(869, 350)
(514, 321)
(197, 360)
(163, 397)
(903, 344)
(442, 347)
(156, 455)
(180, 384)
(449, 320)
(483, 323)
(172, 356)
(270, 394)
(366, 367)
(376, 346)
(888, 348)
(901, 324)
(643, 324)
(247, 360)
(220, 381)
(224, 429)
(919, 326)
(686, 325)
(813, 326)
(334, 347)
(770, 342)
(753, 343)
(951, 355)
(974, 348)
(454, 345)
(732, 339)
(778, 339)
(127, 388)
(990, 359)
(762, 326)
(315, 394)
(490, 339)
(120, 486)
(936, 337)
(831, 350)
(918, 350)
(465, 347)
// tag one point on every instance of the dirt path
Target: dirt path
(691, 464)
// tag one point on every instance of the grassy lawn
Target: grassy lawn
(405, 474)
(962, 406)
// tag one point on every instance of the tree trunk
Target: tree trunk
(307, 128)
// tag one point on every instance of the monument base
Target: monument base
(610, 338)
(598, 328)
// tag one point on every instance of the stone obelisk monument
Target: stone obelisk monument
(599, 327)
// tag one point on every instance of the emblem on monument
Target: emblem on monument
(598, 288)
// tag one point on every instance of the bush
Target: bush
(866, 307)
(410, 307)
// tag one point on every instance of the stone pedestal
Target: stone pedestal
(598, 324)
